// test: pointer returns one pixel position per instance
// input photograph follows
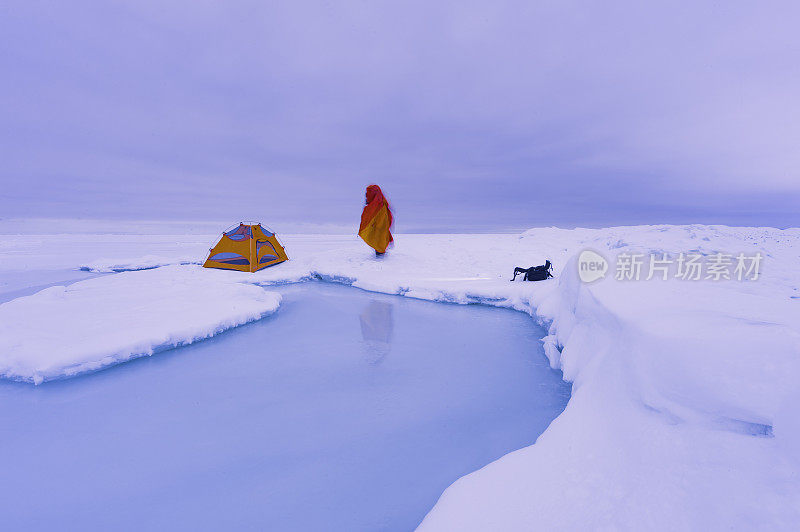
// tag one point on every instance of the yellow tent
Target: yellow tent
(246, 248)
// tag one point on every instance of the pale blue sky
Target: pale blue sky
(471, 115)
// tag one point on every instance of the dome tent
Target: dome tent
(246, 248)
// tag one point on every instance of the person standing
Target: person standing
(376, 221)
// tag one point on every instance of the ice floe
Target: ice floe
(63, 331)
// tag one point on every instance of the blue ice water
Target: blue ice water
(346, 410)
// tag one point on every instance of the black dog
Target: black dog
(534, 273)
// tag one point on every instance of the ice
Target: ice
(14, 284)
(345, 410)
(684, 408)
(148, 262)
(63, 331)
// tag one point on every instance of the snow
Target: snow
(684, 404)
(64, 331)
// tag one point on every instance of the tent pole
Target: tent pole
(253, 254)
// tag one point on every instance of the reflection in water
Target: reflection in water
(377, 324)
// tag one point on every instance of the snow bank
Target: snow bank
(63, 331)
(638, 446)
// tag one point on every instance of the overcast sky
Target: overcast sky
(471, 115)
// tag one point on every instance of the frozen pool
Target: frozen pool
(346, 410)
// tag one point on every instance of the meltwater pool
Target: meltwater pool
(346, 410)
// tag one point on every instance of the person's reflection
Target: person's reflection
(377, 324)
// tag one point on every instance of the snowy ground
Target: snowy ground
(684, 412)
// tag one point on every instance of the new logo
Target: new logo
(591, 266)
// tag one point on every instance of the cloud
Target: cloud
(470, 113)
